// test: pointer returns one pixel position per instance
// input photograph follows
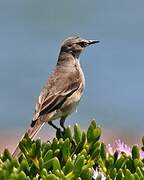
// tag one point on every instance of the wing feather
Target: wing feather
(58, 88)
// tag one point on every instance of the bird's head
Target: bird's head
(75, 45)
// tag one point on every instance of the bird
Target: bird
(63, 90)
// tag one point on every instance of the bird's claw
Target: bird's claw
(60, 133)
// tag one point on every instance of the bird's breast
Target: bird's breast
(81, 75)
(72, 101)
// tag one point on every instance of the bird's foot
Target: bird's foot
(60, 133)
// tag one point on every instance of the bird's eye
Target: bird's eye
(82, 44)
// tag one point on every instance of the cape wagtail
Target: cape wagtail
(63, 90)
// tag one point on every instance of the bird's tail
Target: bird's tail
(32, 131)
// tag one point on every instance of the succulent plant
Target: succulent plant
(76, 155)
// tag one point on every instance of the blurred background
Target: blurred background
(31, 32)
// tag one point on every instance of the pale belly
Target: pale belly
(68, 107)
(71, 103)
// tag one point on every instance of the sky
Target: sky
(31, 33)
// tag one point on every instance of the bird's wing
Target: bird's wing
(55, 101)
(60, 85)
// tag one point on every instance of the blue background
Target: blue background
(31, 32)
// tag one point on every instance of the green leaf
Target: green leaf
(44, 172)
(93, 123)
(22, 146)
(139, 173)
(52, 163)
(6, 155)
(77, 133)
(48, 155)
(84, 152)
(103, 151)
(135, 152)
(138, 163)
(97, 134)
(119, 174)
(69, 166)
(109, 162)
(120, 163)
(87, 174)
(136, 176)
(127, 173)
(81, 144)
(55, 144)
(94, 146)
(60, 174)
(22, 176)
(90, 164)
(68, 133)
(96, 154)
(41, 163)
(56, 164)
(24, 166)
(52, 177)
(66, 149)
(38, 148)
(57, 152)
(90, 133)
(28, 141)
(33, 151)
(113, 173)
(45, 148)
(93, 133)
(130, 165)
(78, 165)
(132, 177)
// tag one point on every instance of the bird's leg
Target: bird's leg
(62, 120)
(54, 126)
(59, 132)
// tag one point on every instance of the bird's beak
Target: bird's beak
(93, 42)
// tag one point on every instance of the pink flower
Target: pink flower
(110, 149)
(142, 154)
(121, 147)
